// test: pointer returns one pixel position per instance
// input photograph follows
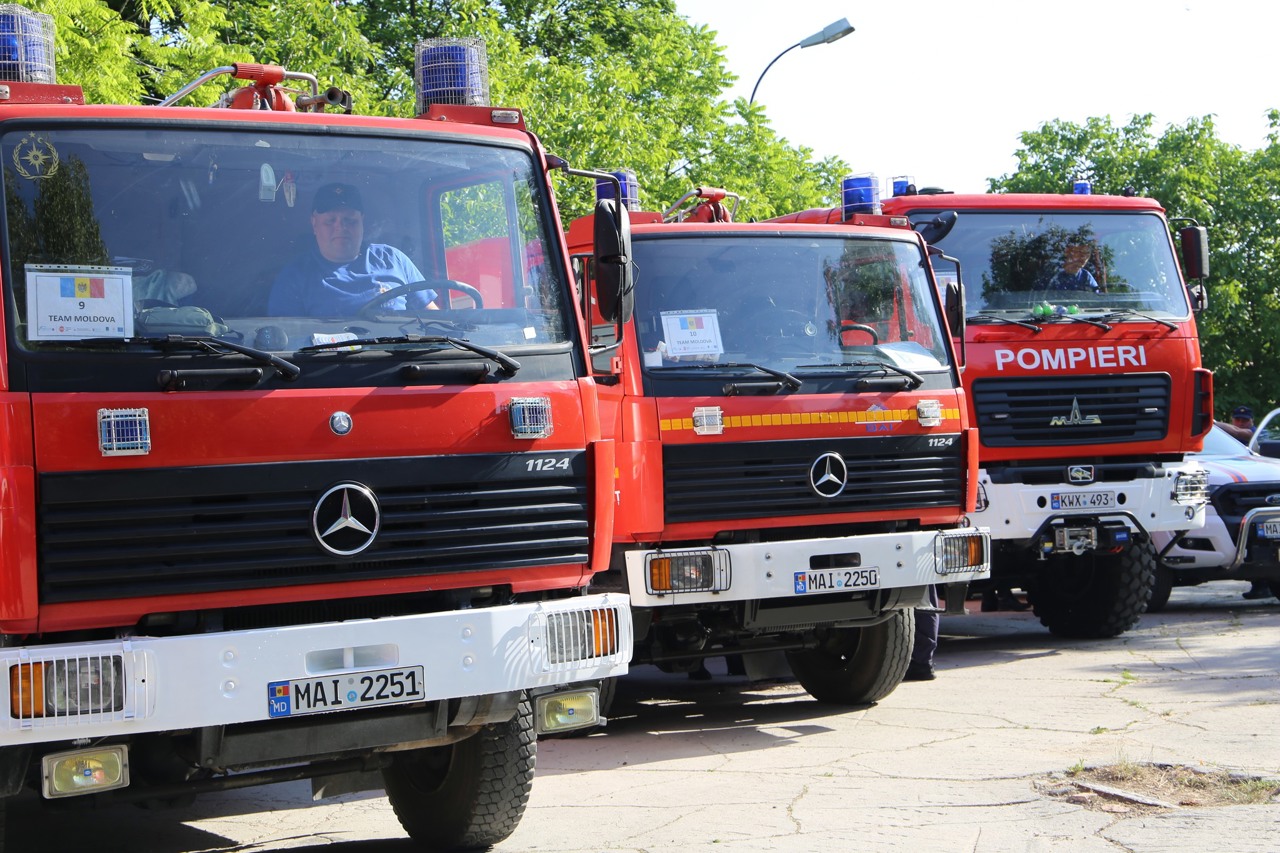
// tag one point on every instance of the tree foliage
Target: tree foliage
(605, 83)
(1193, 174)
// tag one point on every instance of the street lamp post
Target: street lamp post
(828, 34)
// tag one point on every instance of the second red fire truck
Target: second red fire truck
(795, 461)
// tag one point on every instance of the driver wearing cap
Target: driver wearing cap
(341, 273)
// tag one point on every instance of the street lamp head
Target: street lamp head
(829, 33)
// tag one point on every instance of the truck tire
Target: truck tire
(467, 795)
(857, 666)
(1094, 596)
(1160, 590)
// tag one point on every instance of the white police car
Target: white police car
(1241, 535)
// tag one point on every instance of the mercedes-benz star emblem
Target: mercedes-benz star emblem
(346, 519)
(340, 423)
(828, 475)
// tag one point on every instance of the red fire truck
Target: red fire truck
(1084, 379)
(794, 454)
(273, 511)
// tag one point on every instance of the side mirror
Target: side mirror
(940, 226)
(1195, 251)
(953, 301)
(615, 296)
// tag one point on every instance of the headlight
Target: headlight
(687, 571)
(68, 687)
(582, 635)
(1191, 487)
(964, 551)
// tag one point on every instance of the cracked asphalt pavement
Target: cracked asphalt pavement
(947, 765)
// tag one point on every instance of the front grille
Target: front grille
(119, 534)
(1233, 500)
(1072, 410)
(763, 479)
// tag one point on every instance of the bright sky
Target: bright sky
(940, 90)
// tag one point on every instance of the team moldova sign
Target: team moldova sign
(78, 302)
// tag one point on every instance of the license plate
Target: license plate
(1082, 500)
(344, 692)
(1269, 529)
(836, 580)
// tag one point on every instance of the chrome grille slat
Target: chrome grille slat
(119, 534)
(771, 478)
(1019, 411)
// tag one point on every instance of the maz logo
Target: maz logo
(1075, 418)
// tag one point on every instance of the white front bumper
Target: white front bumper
(220, 679)
(768, 570)
(1018, 511)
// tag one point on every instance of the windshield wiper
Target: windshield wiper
(787, 379)
(996, 318)
(1129, 312)
(217, 346)
(1076, 318)
(916, 380)
(508, 364)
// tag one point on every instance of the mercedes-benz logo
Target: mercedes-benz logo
(346, 519)
(828, 475)
(340, 423)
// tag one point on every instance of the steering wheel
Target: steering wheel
(859, 327)
(442, 285)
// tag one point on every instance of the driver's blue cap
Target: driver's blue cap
(334, 196)
(1242, 412)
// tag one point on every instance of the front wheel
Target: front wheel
(467, 795)
(857, 666)
(1160, 590)
(1094, 596)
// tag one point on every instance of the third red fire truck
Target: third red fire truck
(1084, 380)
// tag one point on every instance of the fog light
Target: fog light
(687, 571)
(69, 774)
(563, 712)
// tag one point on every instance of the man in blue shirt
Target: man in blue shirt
(1073, 275)
(343, 273)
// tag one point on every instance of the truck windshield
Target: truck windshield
(275, 238)
(793, 303)
(1097, 263)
